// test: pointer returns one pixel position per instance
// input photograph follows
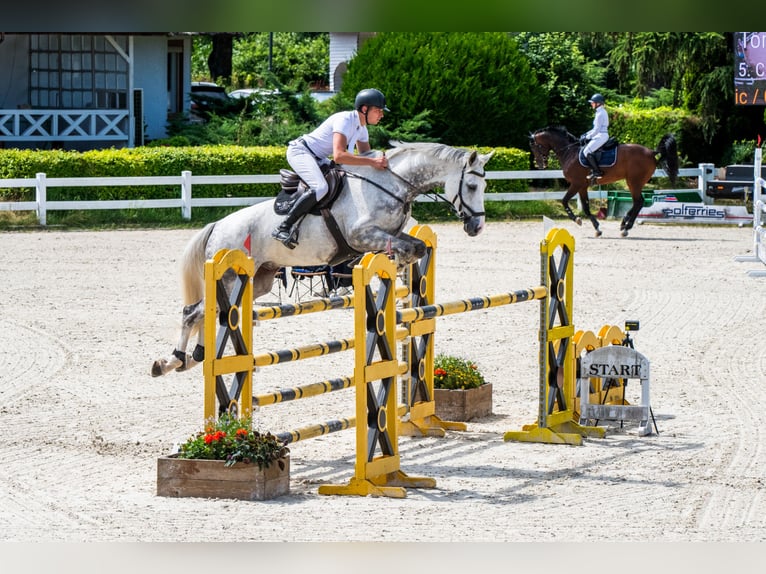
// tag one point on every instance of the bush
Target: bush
(478, 87)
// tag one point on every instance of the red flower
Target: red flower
(208, 438)
(219, 435)
(439, 372)
(242, 433)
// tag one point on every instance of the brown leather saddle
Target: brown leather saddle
(293, 187)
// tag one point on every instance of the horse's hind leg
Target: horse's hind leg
(193, 316)
(630, 217)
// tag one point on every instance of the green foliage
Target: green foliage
(298, 59)
(233, 440)
(412, 130)
(567, 77)
(456, 373)
(262, 119)
(741, 152)
(635, 124)
(507, 159)
(478, 87)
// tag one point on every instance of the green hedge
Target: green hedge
(630, 124)
(164, 161)
(142, 162)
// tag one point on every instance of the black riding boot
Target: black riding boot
(595, 171)
(285, 231)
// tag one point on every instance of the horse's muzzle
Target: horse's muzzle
(473, 226)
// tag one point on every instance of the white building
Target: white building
(86, 91)
(343, 46)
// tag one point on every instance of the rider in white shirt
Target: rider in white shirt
(337, 136)
(597, 135)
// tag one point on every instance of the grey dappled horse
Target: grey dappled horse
(371, 212)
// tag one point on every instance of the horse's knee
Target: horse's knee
(193, 314)
(420, 249)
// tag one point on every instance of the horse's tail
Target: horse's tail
(668, 150)
(193, 266)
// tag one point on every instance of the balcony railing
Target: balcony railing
(64, 125)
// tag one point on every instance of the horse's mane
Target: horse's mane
(560, 131)
(438, 151)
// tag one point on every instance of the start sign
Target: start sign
(615, 362)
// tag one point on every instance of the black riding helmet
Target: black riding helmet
(370, 97)
(598, 98)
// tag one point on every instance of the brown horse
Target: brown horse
(634, 163)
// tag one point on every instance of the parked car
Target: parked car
(249, 92)
(206, 97)
(738, 182)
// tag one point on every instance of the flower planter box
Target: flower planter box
(180, 477)
(463, 405)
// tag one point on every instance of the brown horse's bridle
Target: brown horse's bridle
(539, 151)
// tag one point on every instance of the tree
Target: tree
(478, 87)
(219, 60)
(256, 59)
(698, 68)
(568, 78)
(297, 59)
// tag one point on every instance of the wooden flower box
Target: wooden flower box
(463, 405)
(180, 477)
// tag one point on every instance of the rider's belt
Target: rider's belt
(304, 144)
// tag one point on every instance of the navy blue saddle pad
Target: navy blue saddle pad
(605, 158)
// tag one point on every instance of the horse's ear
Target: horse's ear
(485, 157)
(472, 157)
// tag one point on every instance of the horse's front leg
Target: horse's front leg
(404, 248)
(565, 202)
(586, 210)
(193, 318)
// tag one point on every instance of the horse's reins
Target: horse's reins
(539, 148)
(435, 196)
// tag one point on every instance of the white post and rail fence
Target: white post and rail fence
(186, 183)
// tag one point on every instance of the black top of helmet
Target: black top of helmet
(370, 97)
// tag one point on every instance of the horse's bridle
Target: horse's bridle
(458, 211)
(459, 196)
(539, 151)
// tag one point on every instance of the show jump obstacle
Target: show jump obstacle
(379, 327)
(759, 209)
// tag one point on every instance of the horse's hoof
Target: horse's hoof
(578, 221)
(599, 233)
(624, 233)
(157, 369)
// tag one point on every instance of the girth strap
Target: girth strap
(345, 252)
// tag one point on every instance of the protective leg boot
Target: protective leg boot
(285, 231)
(595, 171)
